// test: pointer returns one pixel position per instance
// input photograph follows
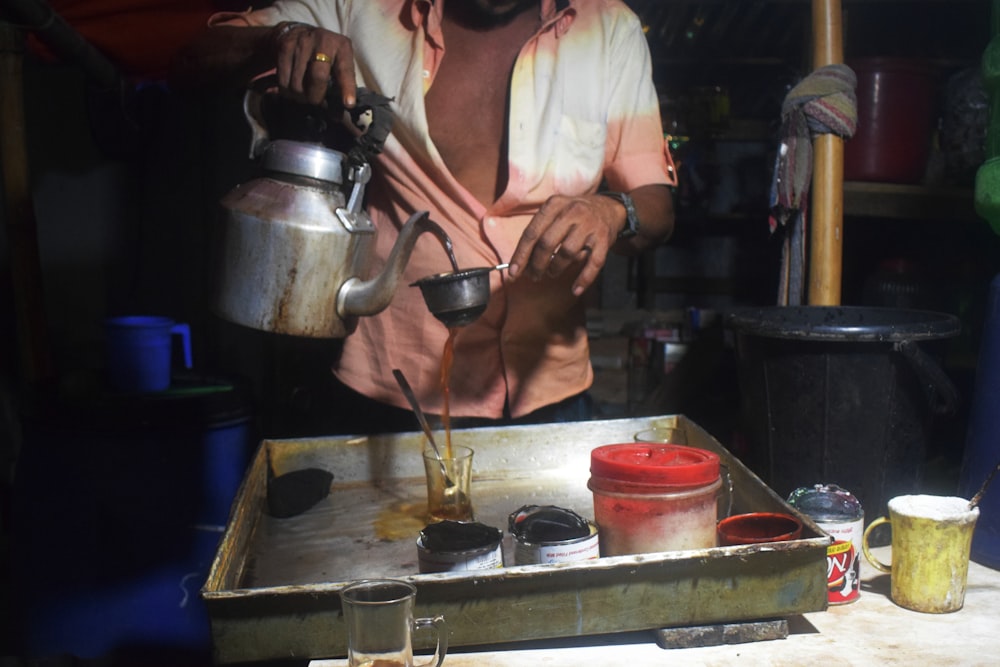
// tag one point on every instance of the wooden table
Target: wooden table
(871, 631)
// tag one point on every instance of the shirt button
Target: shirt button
(426, 73)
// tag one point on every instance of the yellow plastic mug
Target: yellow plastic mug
(931, 539)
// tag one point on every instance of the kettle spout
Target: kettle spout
(358, 298)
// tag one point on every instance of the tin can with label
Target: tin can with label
(840, 515)
(550, 534)
(453, 546)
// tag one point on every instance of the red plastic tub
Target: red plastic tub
(895, 121)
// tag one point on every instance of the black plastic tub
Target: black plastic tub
(841, 395)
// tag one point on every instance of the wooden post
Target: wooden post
(827, 209)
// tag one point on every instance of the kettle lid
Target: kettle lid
(304, 159)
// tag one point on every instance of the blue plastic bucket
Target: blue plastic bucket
(119, 502)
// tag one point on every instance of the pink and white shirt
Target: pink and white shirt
(583, 110)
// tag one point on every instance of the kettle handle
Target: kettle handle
(371, 117)
(252, 103)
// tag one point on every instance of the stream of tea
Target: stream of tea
(447, 359)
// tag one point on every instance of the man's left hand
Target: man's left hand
(568, 232)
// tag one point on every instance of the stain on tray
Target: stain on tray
(401, 521)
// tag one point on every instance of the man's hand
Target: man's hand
(569, 232)
(308, 58)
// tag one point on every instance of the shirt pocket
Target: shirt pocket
(579, 151)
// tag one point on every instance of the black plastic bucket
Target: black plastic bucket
(841, 395)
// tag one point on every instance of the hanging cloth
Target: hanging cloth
(822, 103)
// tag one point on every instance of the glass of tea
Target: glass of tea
(378, 614)
(449, 480)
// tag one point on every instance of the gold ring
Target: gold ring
(321, 57)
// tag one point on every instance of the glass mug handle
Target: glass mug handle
(437, 624)
(876, 563)
(726, 490)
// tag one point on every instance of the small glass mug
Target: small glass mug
(449, 483)
(673, 435)
(378, 614)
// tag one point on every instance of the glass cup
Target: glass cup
(378, 614)
(662, 434)
(449, 481)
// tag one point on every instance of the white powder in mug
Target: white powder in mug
(938, 508)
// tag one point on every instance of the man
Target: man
(510, 115)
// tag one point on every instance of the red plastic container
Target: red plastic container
(895, 121)
(758, 528)
(651, 497)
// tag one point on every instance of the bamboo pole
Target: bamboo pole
(827, 225)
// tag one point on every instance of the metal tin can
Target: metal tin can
(840, 515)
(453, 546)
(550, 534)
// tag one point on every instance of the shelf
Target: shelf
(915, 202)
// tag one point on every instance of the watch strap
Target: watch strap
(631, 219)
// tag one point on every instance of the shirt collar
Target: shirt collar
(558, 13)
(427, 13)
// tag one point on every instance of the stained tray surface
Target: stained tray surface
(273, 591)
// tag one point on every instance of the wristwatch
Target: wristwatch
(631, 219)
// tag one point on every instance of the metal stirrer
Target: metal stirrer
(412, 398)
(979, 494)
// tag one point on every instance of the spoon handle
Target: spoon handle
(404, 385)
(979, 494)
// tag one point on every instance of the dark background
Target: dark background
(124, 184)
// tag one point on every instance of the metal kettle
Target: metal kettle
(296, 246)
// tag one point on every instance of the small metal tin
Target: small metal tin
(453, 546)
(840, 515)
(550, 534)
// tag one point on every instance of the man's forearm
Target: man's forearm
(223, 56)
(654, 207)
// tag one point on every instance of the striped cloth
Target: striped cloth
(822, 103)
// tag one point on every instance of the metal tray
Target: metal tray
(273, 589)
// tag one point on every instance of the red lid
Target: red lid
(651, 463)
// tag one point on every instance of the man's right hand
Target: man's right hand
(308, 58)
